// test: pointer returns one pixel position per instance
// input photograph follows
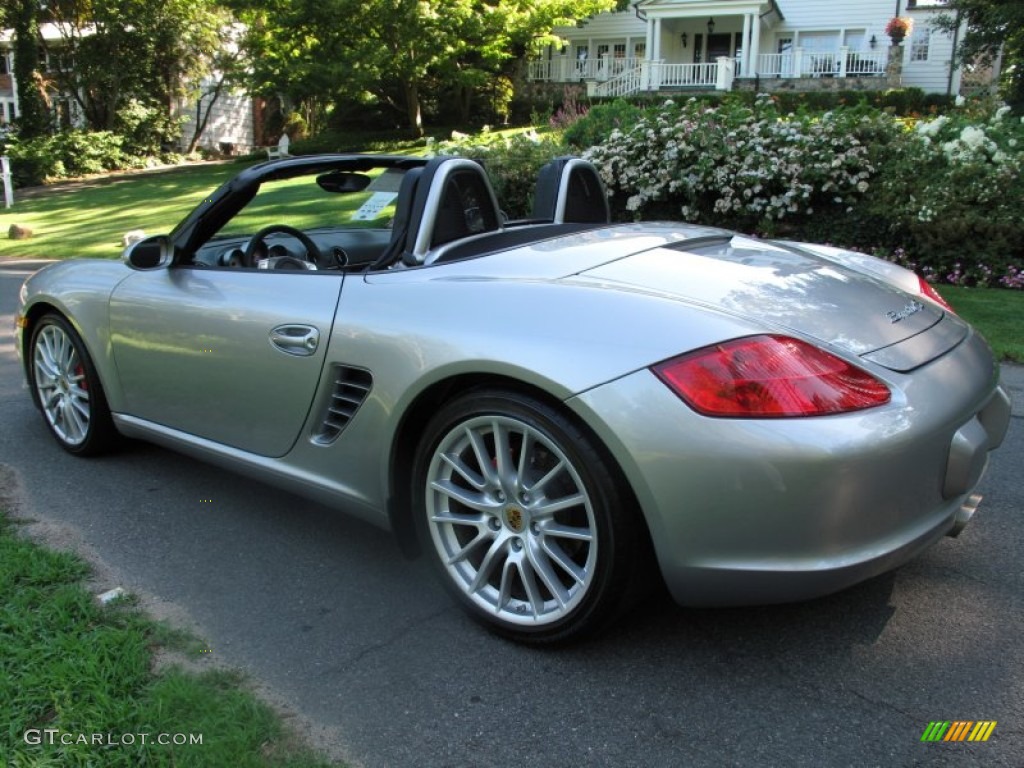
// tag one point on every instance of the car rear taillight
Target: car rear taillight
(928, 291)
(769, 377)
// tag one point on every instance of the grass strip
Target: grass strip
(997, 313)
(77, 686)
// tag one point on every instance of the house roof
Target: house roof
(685, 8)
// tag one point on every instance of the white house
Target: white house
(659, 45)
(230, 121)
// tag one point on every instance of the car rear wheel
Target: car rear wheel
(525, 518)
(67, 389)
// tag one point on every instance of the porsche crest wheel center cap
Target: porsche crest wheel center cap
(514, 519)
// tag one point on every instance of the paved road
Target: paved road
(325, 612)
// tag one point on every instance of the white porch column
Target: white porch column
(745, 59)
(656, 55)
(798, 62)
(843, 59)
(755, 47)
(649, 43)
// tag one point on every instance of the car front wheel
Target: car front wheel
(67, 389)
(525, 517)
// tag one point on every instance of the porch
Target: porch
(702, 45)
(611, 76)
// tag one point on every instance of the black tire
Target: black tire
(67, 390)
(509, 538)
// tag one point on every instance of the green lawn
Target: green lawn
(91, 221)
(997, 313)
(72, 672)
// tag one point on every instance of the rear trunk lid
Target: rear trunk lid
(791, 290)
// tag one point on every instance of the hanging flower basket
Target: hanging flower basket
(898, 28)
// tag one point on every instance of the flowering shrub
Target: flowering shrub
(742, 166)
(943, 196)
(953, 192)
(571, 111)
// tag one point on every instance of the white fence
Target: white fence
(565, 69)
(841, 63)
(611, 76)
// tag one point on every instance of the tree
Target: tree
(311, 50)
(994, 28)
(139, 50)
(34, 119)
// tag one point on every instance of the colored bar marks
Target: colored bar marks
(935, 730)
(958, 730)
(982, 730)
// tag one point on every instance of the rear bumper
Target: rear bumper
(751, 512)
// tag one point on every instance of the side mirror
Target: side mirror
(151, 253)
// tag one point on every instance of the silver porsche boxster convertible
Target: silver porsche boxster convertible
(552, 409)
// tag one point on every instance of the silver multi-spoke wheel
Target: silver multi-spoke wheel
(66, 388)
(60, 381)
(512, 520)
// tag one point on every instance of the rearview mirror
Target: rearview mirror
(151, 253)
(343, 181)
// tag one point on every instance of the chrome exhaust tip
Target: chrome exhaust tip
(964, 514)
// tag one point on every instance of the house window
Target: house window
(602, 51)
(698, 48)
(819, 42)
(820, 48)
(640, 50)
(5, 65)
(920, 44)
(619, 51)
(581, 52)
(854, 39)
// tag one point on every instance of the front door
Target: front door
(719, 45)
(230, 355)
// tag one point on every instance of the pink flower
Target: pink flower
(899, 26)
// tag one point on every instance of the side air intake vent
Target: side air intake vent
(351, 386)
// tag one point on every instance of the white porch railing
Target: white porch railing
(566, 69)
(841, 63)
(628, 82)
(611, 76)
(655, 75)
(665, 75)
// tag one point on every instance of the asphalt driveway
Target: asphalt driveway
(326, 613)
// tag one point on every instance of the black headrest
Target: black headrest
(569, 190)
(454, 199)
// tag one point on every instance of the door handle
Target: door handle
(295, 339)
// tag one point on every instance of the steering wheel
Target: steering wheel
(312, 252)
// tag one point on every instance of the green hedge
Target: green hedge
(942, 195)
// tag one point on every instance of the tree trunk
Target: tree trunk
(203, 118)
(412, 108)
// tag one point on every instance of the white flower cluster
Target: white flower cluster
(977, 142)
(733, 161)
